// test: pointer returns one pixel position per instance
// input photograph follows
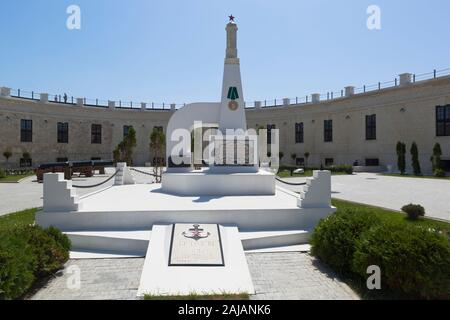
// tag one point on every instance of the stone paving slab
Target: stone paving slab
(295, 276)
(290, 276)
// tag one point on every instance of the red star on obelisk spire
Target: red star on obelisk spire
(231, 18)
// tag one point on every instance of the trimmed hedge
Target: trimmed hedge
(414, 260)
(27, 254)
(334, 238)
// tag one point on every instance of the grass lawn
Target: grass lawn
(21, 218)
(395, 216)
(15, 178)
(225, 296)
(308, 173)
(413, 176)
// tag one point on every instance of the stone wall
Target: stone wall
(405, 113)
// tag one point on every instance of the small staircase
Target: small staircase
(256, 240)
(97, 244)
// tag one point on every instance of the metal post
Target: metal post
(414, 78)
(131, 104)
(379, 85)
(18, 93)
(96, 102)
(434, 72)
(72, 99)
(275, 102)
(364, 88)
(306, 99)
(395, 81)
(153, 105)
(32, 95)
(265, 103)
(296, 100)
(342, 93)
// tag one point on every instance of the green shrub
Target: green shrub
(415, 159)
(439, 173)
(28, 253)
(2, 174)
(342, 168)
(17, 265)
(334, 238)
(414, 211)
(414, 261)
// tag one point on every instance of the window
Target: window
(96, 159)
(96, 133)
(126, 129)
(26, 162)
(443, 121)
(299, 132)
(62, 159)
(26, 130)
(372, 162)
(270, 127)
(328, 130)
(300, 161)
(63, 132)
(159, 128)
(371, 127)
(329, 162)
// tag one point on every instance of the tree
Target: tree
(436, 158)
(157, 148)
(7, 154)
(124, 151)
(281, 155)
(401, 152)
(307, 154)
(294, 157)
(415, 159)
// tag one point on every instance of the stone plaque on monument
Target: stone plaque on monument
(196, 245)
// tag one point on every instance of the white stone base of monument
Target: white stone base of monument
(158, 278)
(219, 184)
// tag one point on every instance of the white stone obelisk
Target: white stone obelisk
(232, 111)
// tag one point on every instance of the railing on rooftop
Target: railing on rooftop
(268, 103)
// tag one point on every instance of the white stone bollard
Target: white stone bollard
(317, 192)
(405, 79)
(111, 104)
(349, 91)
(315, 97)
(5, 92)
(44, 97)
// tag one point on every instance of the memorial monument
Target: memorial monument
(213, 205)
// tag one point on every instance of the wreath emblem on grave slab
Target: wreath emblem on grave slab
(233, 95)
(196, 233)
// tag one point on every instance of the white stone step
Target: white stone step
(129, 243)
(295, 248)
(253, 240)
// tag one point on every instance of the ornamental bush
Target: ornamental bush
(28, 253)
(334, 238)
(414, 211)
(414, 261)
(439, 173)
(2, 174)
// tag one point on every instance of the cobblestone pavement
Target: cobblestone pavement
(294, 276)
(275, 276)
(101, 279)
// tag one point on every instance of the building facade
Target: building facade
(358, 129)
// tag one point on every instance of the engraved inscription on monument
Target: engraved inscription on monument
(196, 245)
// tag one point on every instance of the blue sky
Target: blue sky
(173, 50)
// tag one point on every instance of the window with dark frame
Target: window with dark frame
(159, 128)
(126, 129)
(328, 130)
(63, 132)
(96, 134)
(300, 161)
(270, 127)
(374, 162)
(443, 121)
(299, 132)
(371, 127)
(329, 162)
(26, 130)
(62, 159)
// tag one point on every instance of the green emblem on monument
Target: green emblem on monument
(233, 93)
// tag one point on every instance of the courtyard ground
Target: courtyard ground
(390, 192)
(282, 275)
(368, 188)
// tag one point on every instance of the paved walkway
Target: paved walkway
(275, 276)
(294, 276)
(28, 193)
(391, 192)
